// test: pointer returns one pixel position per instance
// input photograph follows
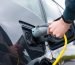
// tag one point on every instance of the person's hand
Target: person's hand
(58, 28)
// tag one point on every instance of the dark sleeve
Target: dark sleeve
(69, 13)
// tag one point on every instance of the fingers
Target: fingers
(57, 34)
(58, 28)
(55, 30)
(51, 29)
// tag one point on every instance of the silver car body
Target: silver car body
(11, 11)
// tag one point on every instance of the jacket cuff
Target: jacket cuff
(68, 16)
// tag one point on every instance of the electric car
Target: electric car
(18, 15)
